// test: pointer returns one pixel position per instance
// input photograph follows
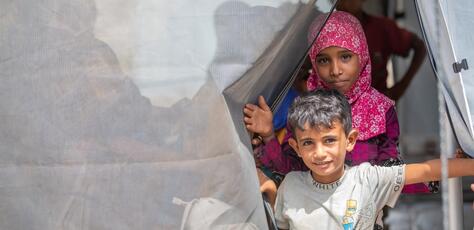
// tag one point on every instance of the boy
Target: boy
(331, 195)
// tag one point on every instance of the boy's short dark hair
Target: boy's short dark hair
(320, 108)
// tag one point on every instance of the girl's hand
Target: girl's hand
(258, 119)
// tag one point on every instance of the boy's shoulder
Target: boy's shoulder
(365, 172)
(366, 166)
(358, 169)
(295, 177)
(351, 171)
(362, 166)
(296, 173)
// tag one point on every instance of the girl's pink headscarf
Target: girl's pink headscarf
(368, 105)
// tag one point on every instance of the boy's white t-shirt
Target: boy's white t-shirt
(352, 202)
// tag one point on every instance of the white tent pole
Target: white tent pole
(452, 198)
(452, 195)
(451, 188)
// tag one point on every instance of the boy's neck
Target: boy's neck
(328, 179)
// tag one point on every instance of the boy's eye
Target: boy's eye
(330, 140)
(306, 143)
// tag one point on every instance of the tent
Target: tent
(127, 114)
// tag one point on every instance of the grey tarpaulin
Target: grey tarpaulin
(446, 26)
(126, 114)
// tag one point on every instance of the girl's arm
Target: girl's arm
(280, 158)
(267, 186)
(388, 146)
(431, 170)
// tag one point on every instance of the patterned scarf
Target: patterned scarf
(368, 105)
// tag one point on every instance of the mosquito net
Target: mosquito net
(126, 114)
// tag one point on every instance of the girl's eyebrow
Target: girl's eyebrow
(345, 51)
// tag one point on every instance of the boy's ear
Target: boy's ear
(294, 145)
(351, 139)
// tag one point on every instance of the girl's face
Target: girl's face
(338, 68)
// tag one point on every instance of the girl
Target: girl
(341, 61)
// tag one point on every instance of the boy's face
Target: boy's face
(323, 150)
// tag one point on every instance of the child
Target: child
(340, 58)
(269, 180)
(299, 87)
(385, 39)
(342, 61)
(332, 195)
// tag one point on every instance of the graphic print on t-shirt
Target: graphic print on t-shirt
(348, 220)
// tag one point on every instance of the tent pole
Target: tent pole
(451, 188)
(455, 204)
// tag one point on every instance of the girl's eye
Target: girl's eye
(322, 60)
(346, 57)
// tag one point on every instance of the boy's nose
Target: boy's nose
(319, 154)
